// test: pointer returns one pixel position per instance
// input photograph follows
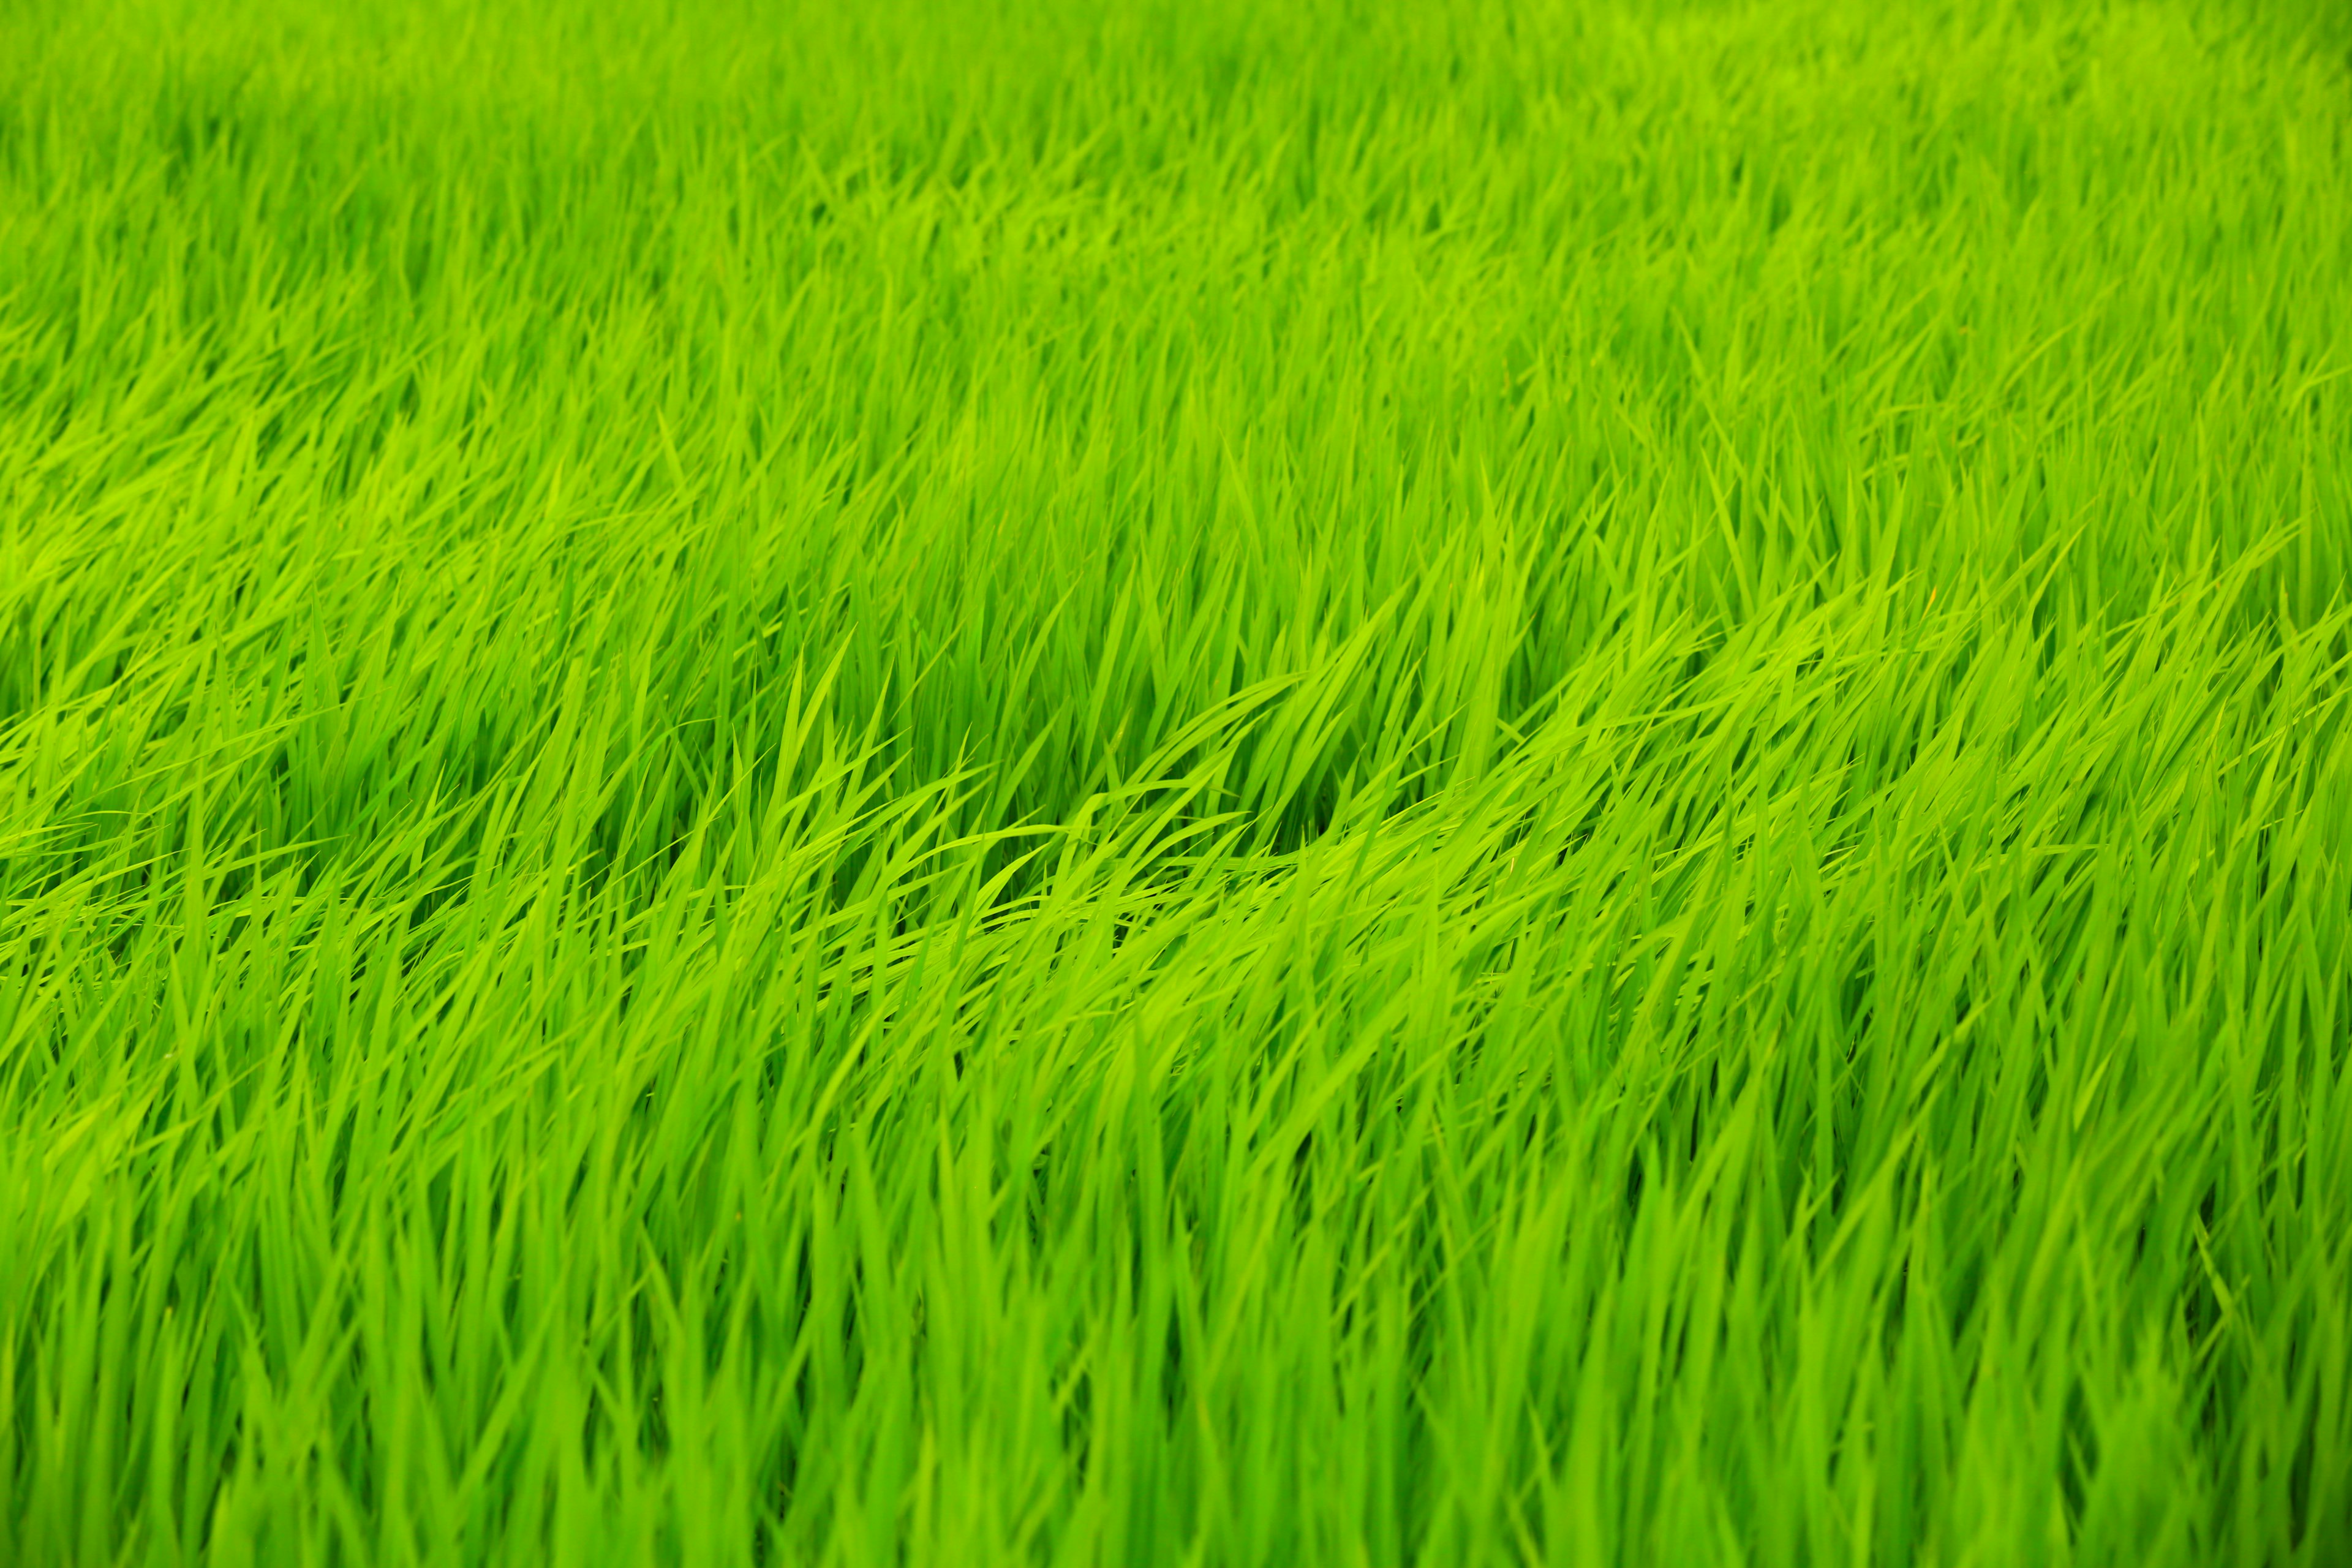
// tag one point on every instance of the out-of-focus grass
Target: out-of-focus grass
(1209, 783)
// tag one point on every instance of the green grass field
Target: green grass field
(1227, 783)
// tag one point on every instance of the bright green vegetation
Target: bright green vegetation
(1231, 782)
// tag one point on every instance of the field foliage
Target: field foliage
(1251, 782)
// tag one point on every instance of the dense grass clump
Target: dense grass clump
(1252, 782)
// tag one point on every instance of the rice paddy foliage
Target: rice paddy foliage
(956, 782)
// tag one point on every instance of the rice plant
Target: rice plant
(1221, 784)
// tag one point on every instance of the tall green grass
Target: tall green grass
(964, 782)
